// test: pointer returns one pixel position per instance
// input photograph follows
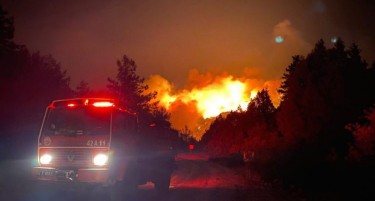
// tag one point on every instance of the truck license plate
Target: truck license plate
(47, 173)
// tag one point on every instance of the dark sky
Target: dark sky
(170, 37)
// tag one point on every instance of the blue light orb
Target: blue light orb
(334, 39)
(279, 39)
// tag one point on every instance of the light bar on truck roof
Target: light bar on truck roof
(79, 102)
(103, 104)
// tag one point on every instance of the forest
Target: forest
(322, 136)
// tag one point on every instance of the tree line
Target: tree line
(29, 81)
(321, 136)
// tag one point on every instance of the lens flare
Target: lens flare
(100, 159)
(334, 39)
(279, 39)
(45, 159)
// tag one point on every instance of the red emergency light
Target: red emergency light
(103, 104)
(191, 147)
(82, 102)
(71, 105)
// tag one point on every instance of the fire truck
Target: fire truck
(93, 141)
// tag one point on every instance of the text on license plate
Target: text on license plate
(47, 173)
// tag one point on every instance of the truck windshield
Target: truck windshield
(78, 121)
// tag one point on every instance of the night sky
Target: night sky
(170, 38)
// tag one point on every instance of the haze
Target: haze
(171, 38)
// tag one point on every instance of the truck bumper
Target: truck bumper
(87, 175)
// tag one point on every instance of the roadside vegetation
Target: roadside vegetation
(321, 138)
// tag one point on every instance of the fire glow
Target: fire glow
(206, 96)
(220, 97)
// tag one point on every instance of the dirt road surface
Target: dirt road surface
(196, 178)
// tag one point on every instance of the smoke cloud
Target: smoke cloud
(282, 52)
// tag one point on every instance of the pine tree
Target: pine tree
(287, 76)
(129, 88)
(83, 89)
(6, 32)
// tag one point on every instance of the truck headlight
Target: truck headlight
(100, 159)
(45, 159)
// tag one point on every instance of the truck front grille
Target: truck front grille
(63, 157)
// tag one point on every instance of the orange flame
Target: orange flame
(226, 95)
(208, 96)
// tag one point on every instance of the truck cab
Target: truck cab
(92, 140)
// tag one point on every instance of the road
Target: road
(196, 178)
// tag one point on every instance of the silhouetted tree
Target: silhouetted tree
(28, 82)
(325, 91)
(83, 89)
(161, 116)
(216, 137)
(261, 139)
(261, 108)
(129, 88)
(242, 131)
(363, 146)
(288, 76)
(6, 32)
(361, 157)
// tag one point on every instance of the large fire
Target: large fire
(207, 96)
